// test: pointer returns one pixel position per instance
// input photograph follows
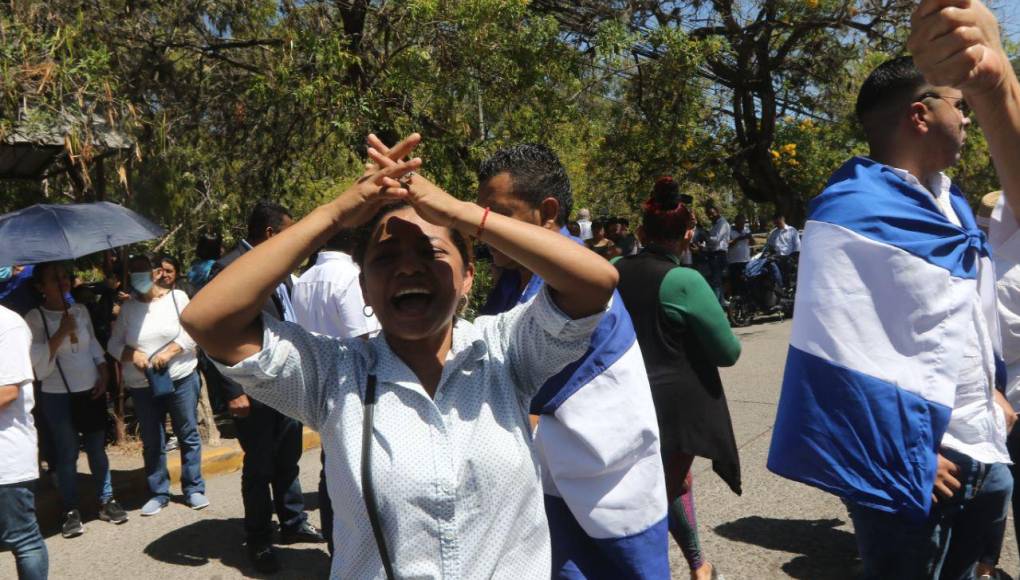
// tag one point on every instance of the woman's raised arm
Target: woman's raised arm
(581, 280)
(224, 317)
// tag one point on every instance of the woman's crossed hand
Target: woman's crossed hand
(379, 185)
(430, 201)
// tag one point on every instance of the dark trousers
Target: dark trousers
(325, 506)
(19, 530)
(736, 271)
(1013, 443)
(269, 479)
(717, 273)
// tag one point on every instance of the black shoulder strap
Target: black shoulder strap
(368, 489)
(56, 357)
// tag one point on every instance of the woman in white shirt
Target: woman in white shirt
(147, 334)
(448, 469)
(69, 362)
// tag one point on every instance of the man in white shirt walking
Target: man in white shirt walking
(584, 221)
(328, 300)
(880, 233)
(716, 245)
(19, 468)
(739, 253)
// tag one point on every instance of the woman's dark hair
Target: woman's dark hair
(364, 236)
(209, 246)
(139, 259)
(598, 224)
(39, 271)
(172, 260)
(666, 218)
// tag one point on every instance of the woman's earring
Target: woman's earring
(462, 305)
(367, 311)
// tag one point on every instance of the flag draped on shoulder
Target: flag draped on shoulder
(888, 289)
(598, 445)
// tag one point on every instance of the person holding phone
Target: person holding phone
(68, 362)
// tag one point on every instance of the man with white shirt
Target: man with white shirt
(272, 441)
(717, 243)
(19, 468)
(889, 396)
(584, 221)
(327, 300)
(739, 253)
(959, 45)
(784, 243)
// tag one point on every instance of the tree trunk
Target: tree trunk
(206, 417)
(118, 406)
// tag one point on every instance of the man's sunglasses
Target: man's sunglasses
(959, 102)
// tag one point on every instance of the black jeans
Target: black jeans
(272, 448)
(1013, 444)
(325, 506)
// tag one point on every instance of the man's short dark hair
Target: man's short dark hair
(343, 241)
(892, 83)
(265, 214)
(210, 245)
(536, 173)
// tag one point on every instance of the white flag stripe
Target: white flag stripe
(610, 470)
(896, 316)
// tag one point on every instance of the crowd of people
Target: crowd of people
(553, 435)
(720, 253)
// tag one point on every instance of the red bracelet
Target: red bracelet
(481, 226)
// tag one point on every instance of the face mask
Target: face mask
(141, 282)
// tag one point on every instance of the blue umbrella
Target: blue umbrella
(49, 232)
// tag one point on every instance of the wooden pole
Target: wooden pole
(206, 416)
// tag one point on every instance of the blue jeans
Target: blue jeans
(183, 408)
(19, 530)
(56, 411)
(954, 537)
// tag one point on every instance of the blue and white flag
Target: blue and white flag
(886, 300)
(598, 445)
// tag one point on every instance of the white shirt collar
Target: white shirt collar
(334, 256)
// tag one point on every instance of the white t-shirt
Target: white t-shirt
(78, 362)
(785, 241)
(327, 298)
(147, 327)
(18, 444)
(585, 226)
(740, 250)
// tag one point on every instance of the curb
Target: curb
(131, 486)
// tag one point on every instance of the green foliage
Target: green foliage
(225, 102)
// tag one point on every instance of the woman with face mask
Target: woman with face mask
(148, 336)
(69, 362)
(430, 462)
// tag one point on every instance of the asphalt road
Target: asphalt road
(776, 529)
